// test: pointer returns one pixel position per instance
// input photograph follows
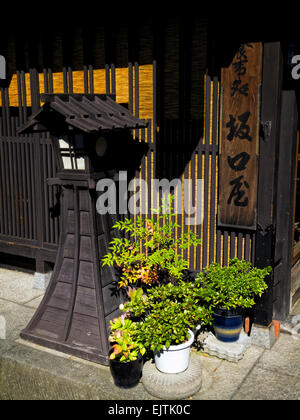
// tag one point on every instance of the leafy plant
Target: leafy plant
(233, 286)
(166, 313)
(161, 259)
(127, 345)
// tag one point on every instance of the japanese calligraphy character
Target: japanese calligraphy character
(239, 162)
(239, 67)
(237, 194)
(243, 90)
(240, 131)
(242, 51)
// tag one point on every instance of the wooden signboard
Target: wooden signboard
(240, 86)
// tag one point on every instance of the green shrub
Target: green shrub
(166, 313)
(233, 286)
(161, 259)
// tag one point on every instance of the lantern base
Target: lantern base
(65, 348)
(81, 298)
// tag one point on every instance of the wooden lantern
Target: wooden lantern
(91, 138)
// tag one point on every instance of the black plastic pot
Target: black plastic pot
(227, 324)
(126, 374)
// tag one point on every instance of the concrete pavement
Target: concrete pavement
(30, 372)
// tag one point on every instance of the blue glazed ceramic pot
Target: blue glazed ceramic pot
(227, 325)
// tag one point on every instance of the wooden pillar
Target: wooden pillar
(267, 173)
(285, 205)
(39, 186)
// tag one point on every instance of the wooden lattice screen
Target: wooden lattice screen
(165, 84)
(134, 85)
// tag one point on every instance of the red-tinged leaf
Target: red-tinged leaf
(117, 349)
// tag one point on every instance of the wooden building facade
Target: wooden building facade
(168, 71)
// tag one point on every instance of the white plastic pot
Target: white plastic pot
(176, 358)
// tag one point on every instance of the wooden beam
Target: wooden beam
(284, 208)
(268, 152)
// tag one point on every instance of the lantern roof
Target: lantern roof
(87, 112)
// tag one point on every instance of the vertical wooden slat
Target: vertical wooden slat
(34, 89)
(136, 90)
(27, 148)
(33, 158)
(232, 244)
(20, 187)
(213, 171)
(4, 215)
(113, 79)
(7, 111)
(91, 79)
(143, 178)
(65, 79)
(199, 203)
(206, 169)
(218, 246)
(154, 94)
(136, 94)
(25, 194)
(70, 79)
(20, 105)
(149, 164)
(46, 81)
(16, 190)
(192, 177)
(50, 173)
(51, 194)
(85, 79)
(130, 87)
(4, 122)
(24, 96)
(8, 186)
(186, 194)
(11, 189)
(50, 74)
(107, 79)
(225, 248)
(47, 192)
(240, 246)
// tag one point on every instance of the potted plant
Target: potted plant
(168, 314)
(152, 255)
(126, 361)
(228, 291)
(163, 305)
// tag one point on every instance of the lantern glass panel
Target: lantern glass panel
(72, 153)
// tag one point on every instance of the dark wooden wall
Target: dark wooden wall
(183, 133)
(184, 59)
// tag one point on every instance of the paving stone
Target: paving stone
(263, 336)
(263, 384)
(221, 380)
(232, 352)
(16, 286)
(284, 357)
(41, 280)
